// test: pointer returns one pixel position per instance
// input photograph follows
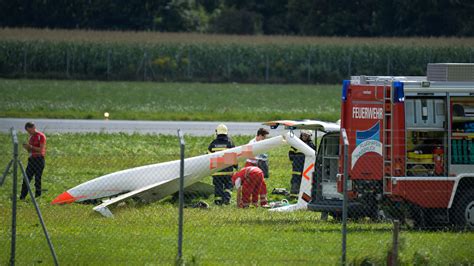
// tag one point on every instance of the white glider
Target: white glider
(156, 181)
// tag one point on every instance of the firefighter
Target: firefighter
(251, 187)
(297, 161)
(222, 180)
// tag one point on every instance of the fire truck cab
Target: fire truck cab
(411, 148)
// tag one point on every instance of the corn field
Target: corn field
(173, 58)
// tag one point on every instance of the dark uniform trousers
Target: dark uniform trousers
(297, 163)
(297, 169)
(34, 169)
(222, 180)
(222, 186)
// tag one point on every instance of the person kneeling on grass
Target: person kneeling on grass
(251, 187)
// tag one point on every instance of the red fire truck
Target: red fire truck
(411, 148)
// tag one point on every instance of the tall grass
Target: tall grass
(216, 58)
(147, 234)
(145, 37)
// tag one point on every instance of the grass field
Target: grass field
(167, 101)
(147, 234)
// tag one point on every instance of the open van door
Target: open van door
(324, 183)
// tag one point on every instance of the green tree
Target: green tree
(237, 21)
(298, 17)
(183, 15)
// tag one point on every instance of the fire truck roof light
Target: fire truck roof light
(398, 94)
(345, 87)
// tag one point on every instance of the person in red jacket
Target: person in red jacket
(36, 147)
(251, 187)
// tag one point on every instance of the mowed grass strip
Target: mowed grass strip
(147, 234)
(167, 101)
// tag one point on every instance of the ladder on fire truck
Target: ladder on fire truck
(387, 138)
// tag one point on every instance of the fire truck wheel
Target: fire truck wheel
(464, 210)
(417, 218)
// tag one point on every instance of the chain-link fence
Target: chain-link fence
(174, 63)
(224, 62)
(235, 211)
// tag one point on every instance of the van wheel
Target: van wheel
(422, 218)
(464, 210)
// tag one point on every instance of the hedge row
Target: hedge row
(291, 63)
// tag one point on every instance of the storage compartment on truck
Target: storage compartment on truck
(426, 153)
(425, 113)
(462, 128)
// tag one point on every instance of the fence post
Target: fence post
(189, 69)
(388, 66)
(267, 69)
(309, 69)
(349, 66)
(24, 61)
(181, 199)
(145, 60)
(344, 204)
(228, 67)
(71, 62)
(396, 231)
(67, 63)
(14, 198)
(109, 54)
